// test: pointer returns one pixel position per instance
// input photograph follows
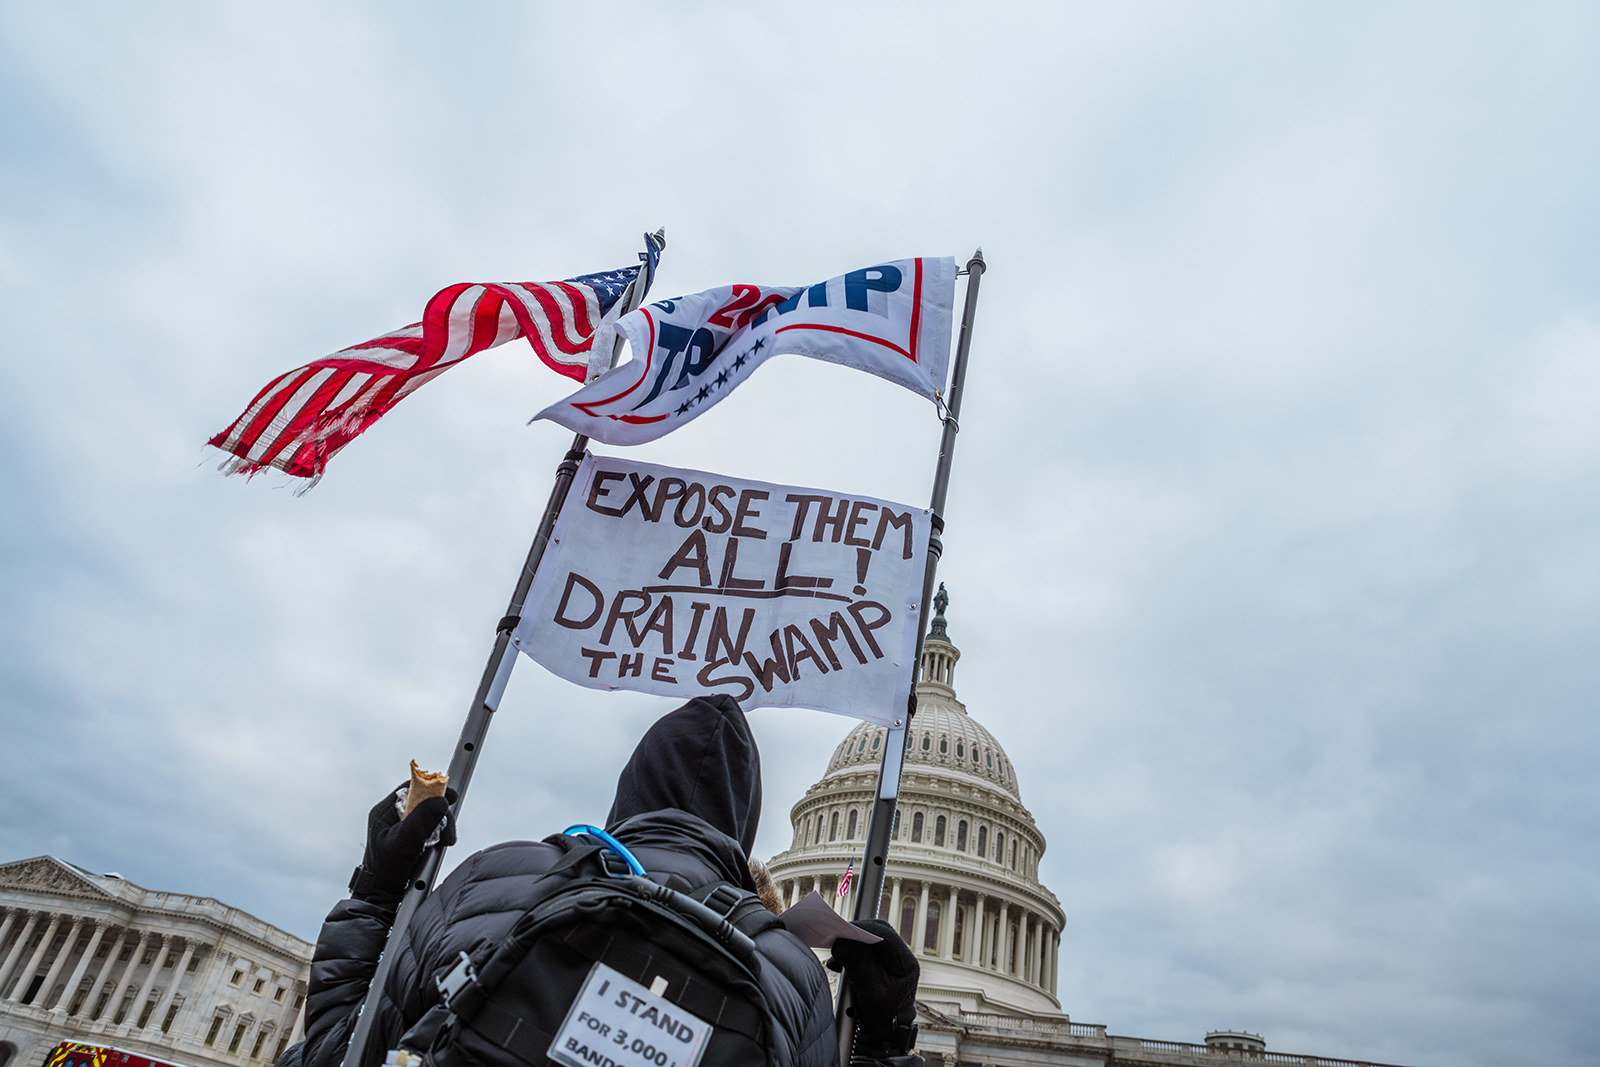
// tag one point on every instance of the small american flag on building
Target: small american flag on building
(302, 418)
(844, 883)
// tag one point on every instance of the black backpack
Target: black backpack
(608, 968)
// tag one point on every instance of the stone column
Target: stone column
(975, 934)
(25, 978)
(919, 931)
(150, 979)
(61, 959)
(1018, 946)
(17, 947)
(104, 974)
(1025, 944)
(894, 903)
(83, 965)
(1038, 953)
(178, 972)
(947, 925)
(1055, 958)
(10, 921)
(127, 973)
(1001, 930)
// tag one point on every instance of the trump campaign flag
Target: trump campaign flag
(891, 319)
(300, 419)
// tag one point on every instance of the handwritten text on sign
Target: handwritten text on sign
(679, 582)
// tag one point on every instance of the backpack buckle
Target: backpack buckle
(723, 899)
(457, 978)
(617, 848)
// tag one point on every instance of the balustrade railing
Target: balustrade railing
(1243, 1055)
(1012, 1024)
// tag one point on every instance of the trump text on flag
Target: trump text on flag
(891, 320)
(679, 582)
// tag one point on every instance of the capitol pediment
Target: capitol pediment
(46, 874)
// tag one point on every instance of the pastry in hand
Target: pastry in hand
(424, 784)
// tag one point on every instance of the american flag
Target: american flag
(302, 418)
(844, 883)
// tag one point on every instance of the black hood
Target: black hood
(701, 759)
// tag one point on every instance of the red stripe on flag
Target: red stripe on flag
(486, 320)
(297, 429)
(554, 309)
(310, 414)
(644, 375)
(436, 323)
(916, 309)
(264, 417)
(851, 333)
(409, 345)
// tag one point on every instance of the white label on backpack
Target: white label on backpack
(616, 1022)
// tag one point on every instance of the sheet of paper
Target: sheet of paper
(617, 1021)
(812, 921)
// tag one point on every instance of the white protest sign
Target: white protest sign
(680, 583)
(616, 1022)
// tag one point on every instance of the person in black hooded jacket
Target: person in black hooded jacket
(687, 805)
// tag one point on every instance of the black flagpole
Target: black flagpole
(881, 821)
(496, 673)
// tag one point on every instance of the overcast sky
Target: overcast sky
(1274, 539)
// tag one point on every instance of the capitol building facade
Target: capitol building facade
(963, 889)
(95, 959)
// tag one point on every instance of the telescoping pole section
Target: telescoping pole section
(881, 821)
(496, 673)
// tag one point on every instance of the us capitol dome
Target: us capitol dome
(962, 885)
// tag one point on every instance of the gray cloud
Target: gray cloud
(1272, 535)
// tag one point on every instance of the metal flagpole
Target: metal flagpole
(496, 673)
(881, 821)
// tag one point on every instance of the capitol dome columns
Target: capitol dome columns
(981, 922)
(919, 935)
(1003, 939)
(975, 932)
(947, 923)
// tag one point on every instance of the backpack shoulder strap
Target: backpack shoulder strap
(577, 850)
(740, 907)
(469, 978)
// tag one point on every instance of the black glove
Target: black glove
(394, 845)
(883, 990)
